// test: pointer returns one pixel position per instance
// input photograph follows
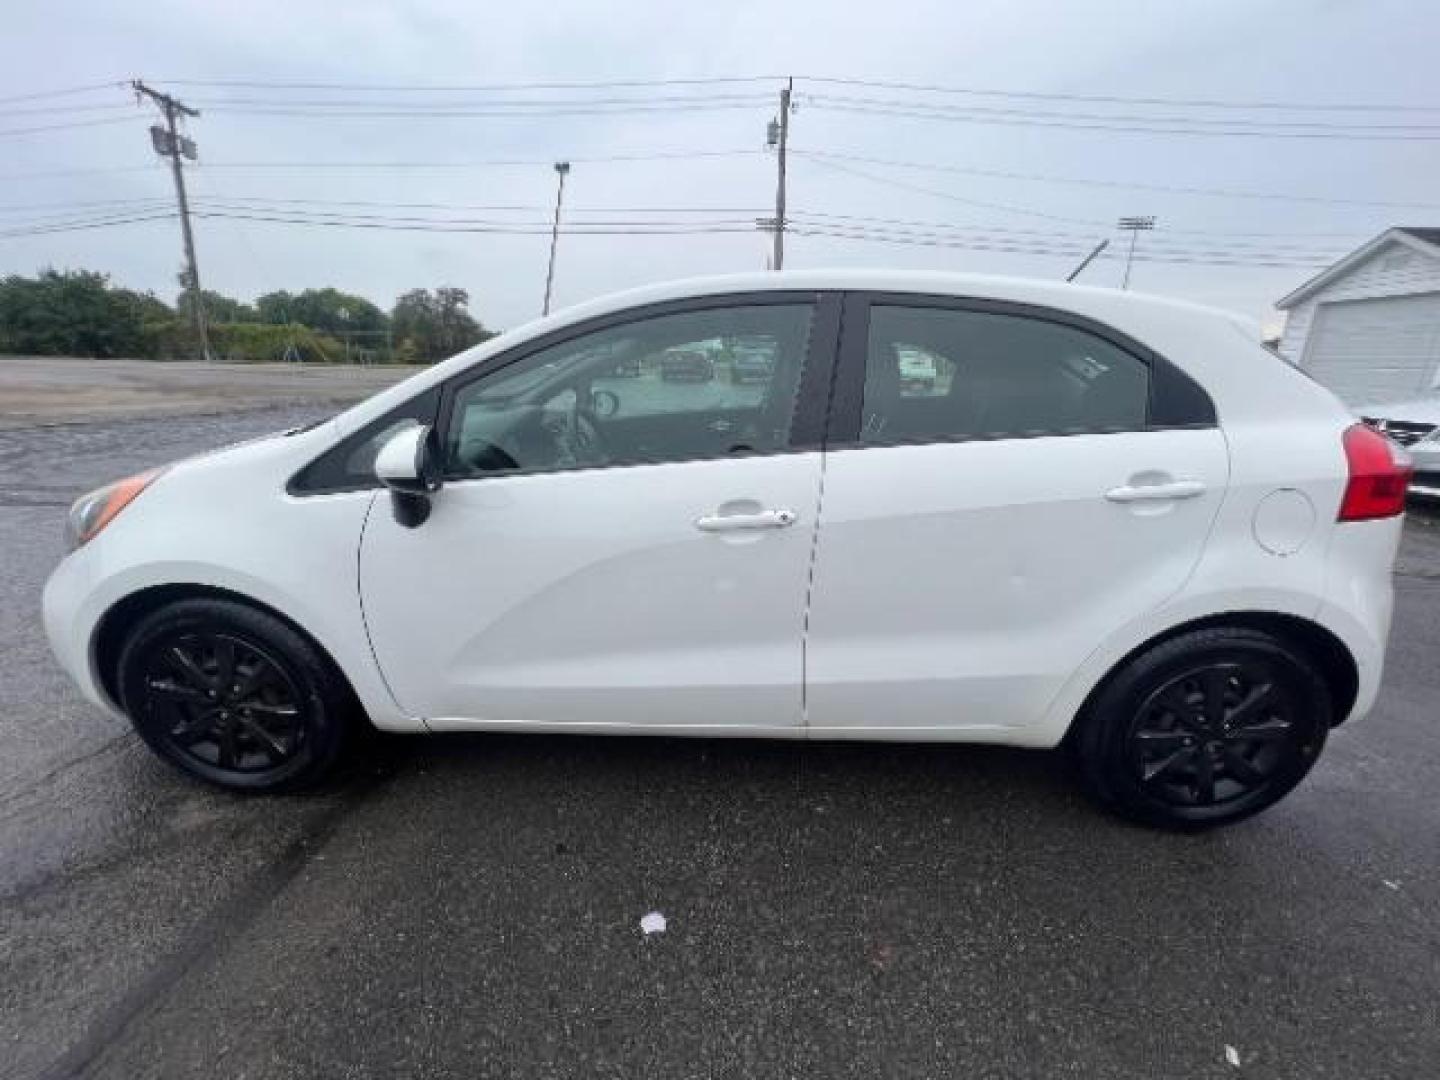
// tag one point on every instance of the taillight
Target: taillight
(1379, 475)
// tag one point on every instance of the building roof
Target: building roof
(1424, 240)
(1429, 236)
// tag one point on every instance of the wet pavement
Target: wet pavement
(470, 906)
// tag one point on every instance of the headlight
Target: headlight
(92, 512)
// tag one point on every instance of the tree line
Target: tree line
(80, 313)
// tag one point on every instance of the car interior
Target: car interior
(613, 397)
(997, 375)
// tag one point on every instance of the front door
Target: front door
(1013, 488)
(623, 537)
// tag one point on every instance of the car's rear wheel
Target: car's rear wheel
(1205, 729)
(234, 696)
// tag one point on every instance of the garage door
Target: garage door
(1370, 351)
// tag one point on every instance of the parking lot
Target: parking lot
(470, 906)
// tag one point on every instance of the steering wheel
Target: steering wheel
(579, 442)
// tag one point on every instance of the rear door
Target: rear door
(981, 534)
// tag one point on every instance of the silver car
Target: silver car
(1415, 425)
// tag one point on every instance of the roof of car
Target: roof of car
(1039, 291)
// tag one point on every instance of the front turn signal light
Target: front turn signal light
(91, 513)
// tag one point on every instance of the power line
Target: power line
(1205, 103)
(1037, 248)
(546, 103)
(1119, 184)
(50, 110)
(65, 92)
(969, 112)
(748, 222)
(623, 158)
(605, 84)
(510, 229)
(876, 84)
(1078, 241)
(669, 155)
(11, 208)
(505, 207)
(344, 207)
(73, 124)
(862, 107)
(919, 189)
(640, 108)
(99, 223)
(50, 174)
(824, 218)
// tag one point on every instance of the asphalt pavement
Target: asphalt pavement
(471, 906)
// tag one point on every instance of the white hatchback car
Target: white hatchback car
(1111, 521)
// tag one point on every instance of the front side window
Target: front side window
(691, 385)
(943, 374)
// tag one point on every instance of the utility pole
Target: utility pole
(1134, 226)
(561, 169)
(169, 143)
(779, 138)
(1101, 246)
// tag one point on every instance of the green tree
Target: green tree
(432, 326)
(218, 309)
(328, 310)
(75, 313)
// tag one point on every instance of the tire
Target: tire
(281, 724)
(1153, 744)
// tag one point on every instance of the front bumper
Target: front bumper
(72, 612)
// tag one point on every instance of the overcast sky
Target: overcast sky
(1315, 53)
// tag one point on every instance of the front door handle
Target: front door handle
(761, 519)
(1173, 489)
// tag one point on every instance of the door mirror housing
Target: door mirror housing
(409, 465)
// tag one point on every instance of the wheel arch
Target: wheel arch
(115, 624)
(1330, 655)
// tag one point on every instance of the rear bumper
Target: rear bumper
(1360, 597)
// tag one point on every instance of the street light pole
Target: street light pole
(1134, 226)
(561, 169)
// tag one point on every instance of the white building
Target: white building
(1369, 326)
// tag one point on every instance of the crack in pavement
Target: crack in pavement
(208, 939)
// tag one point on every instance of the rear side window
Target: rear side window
(937, 374)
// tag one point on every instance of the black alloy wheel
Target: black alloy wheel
(1214, 734)
(225, 702)
(1205, 729)
(234, 696)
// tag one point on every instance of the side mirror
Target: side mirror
(409, 465)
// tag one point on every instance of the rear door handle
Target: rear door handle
(763, 519)
(1174, 489)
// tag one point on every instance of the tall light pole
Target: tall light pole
(1134, 226)
(561, 169)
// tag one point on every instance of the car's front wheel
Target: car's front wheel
(1205, 729)
(234, 696)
